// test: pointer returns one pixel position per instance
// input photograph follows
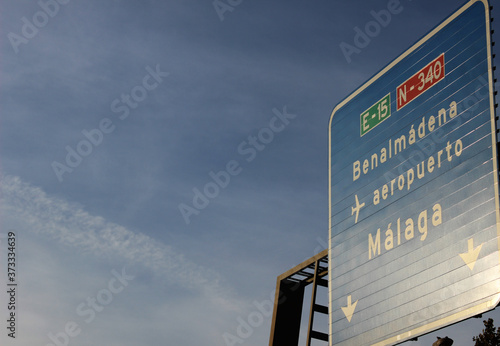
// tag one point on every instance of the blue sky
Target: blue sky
(117, 115)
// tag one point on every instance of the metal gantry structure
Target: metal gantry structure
(289, 299)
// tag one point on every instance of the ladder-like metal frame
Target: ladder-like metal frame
(317, 280)
(289, 298)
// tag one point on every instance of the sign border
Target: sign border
(480, 308)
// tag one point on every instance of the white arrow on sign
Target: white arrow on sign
(349, 309)
(470, 257)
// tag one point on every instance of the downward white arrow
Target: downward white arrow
(349, 309)
(470, 257)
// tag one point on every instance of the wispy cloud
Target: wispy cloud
(72, 226)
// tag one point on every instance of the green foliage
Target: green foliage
(489, 336)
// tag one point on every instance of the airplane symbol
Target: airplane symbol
(357, 208)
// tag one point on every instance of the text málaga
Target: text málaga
(395, 237)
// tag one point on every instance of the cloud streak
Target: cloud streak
(72, 226)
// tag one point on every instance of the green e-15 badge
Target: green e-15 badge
(374, 115)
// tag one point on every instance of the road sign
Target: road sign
(413, 189)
